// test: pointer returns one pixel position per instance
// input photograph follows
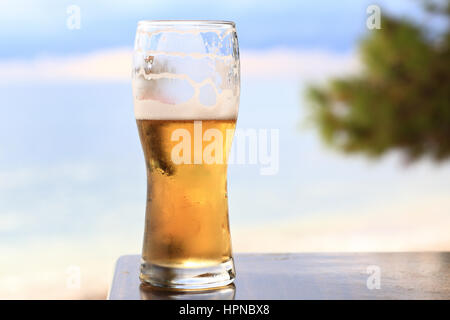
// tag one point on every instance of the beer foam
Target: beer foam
(186, 71)
(225, 108)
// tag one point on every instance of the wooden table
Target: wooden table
(310, 276)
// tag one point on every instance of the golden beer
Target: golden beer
(187, 205)
(186, 88)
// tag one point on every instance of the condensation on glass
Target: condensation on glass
(186, 82)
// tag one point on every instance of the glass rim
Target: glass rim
(187, 23)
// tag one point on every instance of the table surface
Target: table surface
(310, 276)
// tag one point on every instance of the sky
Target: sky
(72, 174)
(31, 28)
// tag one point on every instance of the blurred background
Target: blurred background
(362, 114)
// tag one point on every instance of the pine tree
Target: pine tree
(401, 99)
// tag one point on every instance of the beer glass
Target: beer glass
(186, 82)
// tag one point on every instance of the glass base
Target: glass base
(188, 278)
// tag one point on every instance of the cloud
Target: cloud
(114, 65)
(310, 64)
(108, 65)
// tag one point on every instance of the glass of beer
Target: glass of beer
(186, 83)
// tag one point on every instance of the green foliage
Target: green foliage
(401, 100)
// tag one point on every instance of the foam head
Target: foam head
(186, 70)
